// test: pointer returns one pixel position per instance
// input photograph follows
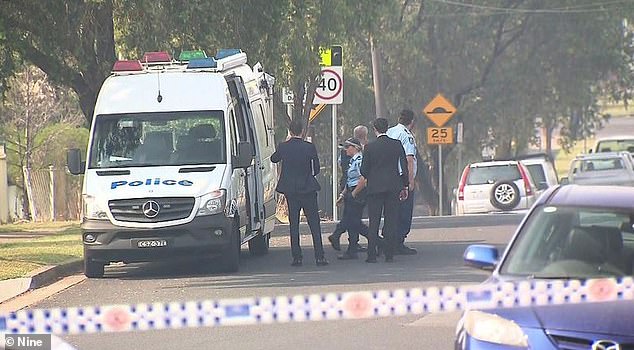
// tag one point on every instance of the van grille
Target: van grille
(169, 209)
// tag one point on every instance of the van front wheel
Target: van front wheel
(231, 255)
(93, 269)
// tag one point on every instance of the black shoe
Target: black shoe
(321, 262)
(334, 241)
(359, 249)
(389, 259)
(297, 262)
(371, 259)
(348, 256)
(405, 250)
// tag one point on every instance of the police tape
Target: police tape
(314, 307)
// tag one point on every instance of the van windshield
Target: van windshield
(157, 139)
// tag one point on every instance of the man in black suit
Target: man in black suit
(385, 169)
(297, 182)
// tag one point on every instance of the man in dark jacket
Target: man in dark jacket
(385, 169)
(297, 182)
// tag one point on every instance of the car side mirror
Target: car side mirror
(590, 150)
(481, 256)
(245, 155)
(564, 181)
(74, 163)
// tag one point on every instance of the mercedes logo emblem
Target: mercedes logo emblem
(151, 209)
(605, 345)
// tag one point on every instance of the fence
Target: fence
(53, 194)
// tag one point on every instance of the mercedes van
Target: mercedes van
(178, 161)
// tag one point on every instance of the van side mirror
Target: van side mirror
(245, 155)
(590, 150)
(73, 161)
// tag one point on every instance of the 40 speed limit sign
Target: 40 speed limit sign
(330, 86)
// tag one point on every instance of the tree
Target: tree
(32, 105)
(72, 41)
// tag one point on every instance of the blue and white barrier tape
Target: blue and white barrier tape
(314, 307)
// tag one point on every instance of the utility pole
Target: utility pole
(378, 82)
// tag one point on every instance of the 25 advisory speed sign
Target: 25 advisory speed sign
(330, 87)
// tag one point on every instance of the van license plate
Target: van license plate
(151, 243)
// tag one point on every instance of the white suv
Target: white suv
(495, 186)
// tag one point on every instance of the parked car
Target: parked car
(572, 232)
(493, 186)
(542, 169)
(610, 168)
(614, 144)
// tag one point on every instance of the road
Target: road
(439, 262)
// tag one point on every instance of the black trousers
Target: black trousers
(352, 213)
(307, 201)
(385, 204)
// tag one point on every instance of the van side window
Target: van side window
(266, 129)
(234, 135)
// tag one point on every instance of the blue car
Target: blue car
(572, 232)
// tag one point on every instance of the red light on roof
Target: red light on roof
(127, 66)
(155, 57)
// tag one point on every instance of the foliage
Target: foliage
(510, 66)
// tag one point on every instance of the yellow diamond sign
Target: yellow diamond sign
(439, 110)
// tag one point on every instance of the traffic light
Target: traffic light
(336, 55)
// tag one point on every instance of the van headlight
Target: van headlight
(93, 210)
(212, 203)
(494, 329)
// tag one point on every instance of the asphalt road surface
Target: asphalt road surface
(438, 263)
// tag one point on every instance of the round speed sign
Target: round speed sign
(330, 87)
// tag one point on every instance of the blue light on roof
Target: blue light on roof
(208, 62)
(224, 53)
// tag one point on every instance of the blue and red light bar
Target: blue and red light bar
(127, 66)
(156, 57)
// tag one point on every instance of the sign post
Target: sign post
(439, 111)
(329, 91)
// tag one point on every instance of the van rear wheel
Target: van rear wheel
(259, 245)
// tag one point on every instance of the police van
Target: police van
(178, 161)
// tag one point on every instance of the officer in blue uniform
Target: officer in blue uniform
(403, 132)
(354, 201)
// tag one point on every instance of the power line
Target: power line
(563, 10)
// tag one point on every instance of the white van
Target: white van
(178, 161)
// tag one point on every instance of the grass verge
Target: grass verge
(25, 255)
(39, 226)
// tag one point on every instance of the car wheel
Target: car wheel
(259, 245)
(93, 269)
(231, 256)
(505, 195)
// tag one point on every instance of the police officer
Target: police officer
(354, 201)
(360, 133)
(403, 132)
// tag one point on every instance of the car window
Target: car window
(492, 174)
(538, 175)
(615, 146)
(601, 164)
(572, 242)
